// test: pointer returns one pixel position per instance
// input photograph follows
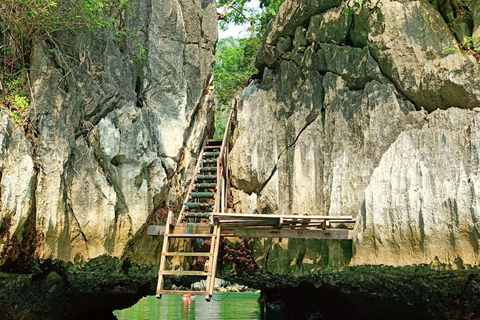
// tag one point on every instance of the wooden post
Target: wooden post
(163, 258)
(214, 259)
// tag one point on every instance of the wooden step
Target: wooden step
(209, 161)
(185, 273)
(212, 154)
(208, 169)
(197, 214)
(206, 185)
(206, 177)
(212, 147)
(198, 205)
(214, 141)
(202, 194)
(181, 292)
(189, 235)
(187, 254)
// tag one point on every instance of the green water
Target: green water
(224, 306)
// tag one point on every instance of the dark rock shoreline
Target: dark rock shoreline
(56, 290)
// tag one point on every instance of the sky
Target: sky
(238, 31)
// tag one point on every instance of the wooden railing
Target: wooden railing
(222, 170)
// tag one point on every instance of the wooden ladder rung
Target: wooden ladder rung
(214, 141)
(188, 254)
(189, 235)
(181, 292)
(185, 273)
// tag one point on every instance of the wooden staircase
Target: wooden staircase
(195, 228)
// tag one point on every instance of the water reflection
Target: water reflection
(224, 306)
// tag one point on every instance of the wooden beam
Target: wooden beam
(227, 216)
(185, 273)
(336, 234)
(187, 254)
(182, 292)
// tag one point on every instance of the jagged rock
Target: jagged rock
(329, 27)
(244, 203)
(415, 61)
(285, 112)
(291, 15)
(356, 66)
(422, 202)
(119, 125)
(368, 148)
(17, 181)
(326, 167)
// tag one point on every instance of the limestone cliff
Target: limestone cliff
(115, 128)
(364, 113)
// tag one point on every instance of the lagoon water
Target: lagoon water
(224, 306)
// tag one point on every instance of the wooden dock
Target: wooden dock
(273, 226)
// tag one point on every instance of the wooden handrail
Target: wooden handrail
(222, 167)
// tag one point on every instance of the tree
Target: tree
(235, 57)
(238, 12)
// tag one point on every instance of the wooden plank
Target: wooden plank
(187, 254)
(182, 292)
(154, 230)
(189, 235)
(279, 223)
(337, 234)
(213, 265)
(185, 273)
(163, 259)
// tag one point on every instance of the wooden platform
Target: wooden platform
(272, 226)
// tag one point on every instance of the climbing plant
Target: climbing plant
(26, 22)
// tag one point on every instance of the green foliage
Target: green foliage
(25, 22)
(142, 51)
(15, 97)
(469, 46)
(238, 12)
(234, 66)
(236, 57)
(471, 43)
(356, 5)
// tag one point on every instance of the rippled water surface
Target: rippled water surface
(224, 306)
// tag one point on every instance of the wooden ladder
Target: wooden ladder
(206, 194)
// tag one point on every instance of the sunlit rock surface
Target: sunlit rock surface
(365, 115)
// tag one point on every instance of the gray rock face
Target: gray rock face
(408, 40)
(17, 180)
(422, 202)
(339, 126)
(116, 121)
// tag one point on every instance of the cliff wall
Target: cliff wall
(363, 112)
(116, 125)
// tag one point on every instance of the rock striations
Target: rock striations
(364, 113)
